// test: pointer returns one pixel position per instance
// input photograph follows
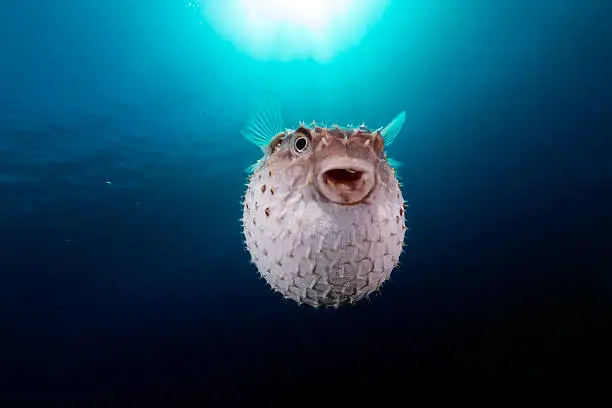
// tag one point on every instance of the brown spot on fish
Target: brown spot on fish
(267, 211)
(276, 141)
(263, 188)
(304, 130)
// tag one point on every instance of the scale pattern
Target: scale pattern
(316, 252)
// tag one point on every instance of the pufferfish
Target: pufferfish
(323, 212)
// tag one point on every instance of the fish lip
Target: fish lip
(346, 163)
(367, 180)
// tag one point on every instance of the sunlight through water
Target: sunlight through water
(292, 29)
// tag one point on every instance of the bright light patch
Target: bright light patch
(293, 29)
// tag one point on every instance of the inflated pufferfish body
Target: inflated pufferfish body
(323, 213)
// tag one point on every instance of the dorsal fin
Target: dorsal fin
(263, 124)
(390, 132)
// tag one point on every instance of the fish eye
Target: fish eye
(300, 144)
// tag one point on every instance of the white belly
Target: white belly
(320, 253)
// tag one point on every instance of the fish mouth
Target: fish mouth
(346, 181)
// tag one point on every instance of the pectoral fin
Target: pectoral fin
(390, 132)
(263, 124)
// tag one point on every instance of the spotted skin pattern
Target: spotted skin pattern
(309, 248)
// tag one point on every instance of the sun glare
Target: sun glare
(293, 29)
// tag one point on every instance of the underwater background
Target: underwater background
(123, 270)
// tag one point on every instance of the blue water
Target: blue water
(123, 269)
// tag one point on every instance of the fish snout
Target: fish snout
(346, 181)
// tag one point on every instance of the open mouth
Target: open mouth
(344, 179)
